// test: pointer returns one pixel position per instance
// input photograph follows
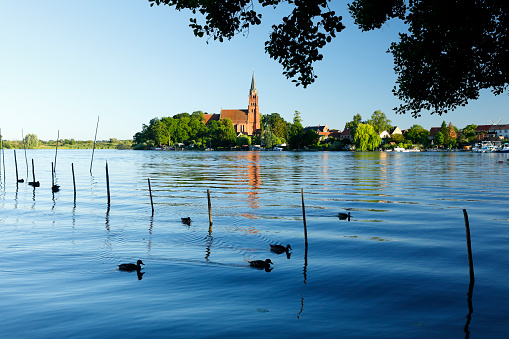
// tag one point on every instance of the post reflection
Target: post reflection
(470, 308)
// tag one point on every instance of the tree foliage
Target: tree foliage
(31, 141)
(366, 138)
(380, 122)
(352, 125)
(449, 51)
(453, 49)
(295, 43)
(417, 135)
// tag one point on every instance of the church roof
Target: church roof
(235, 115)
(253, 83)
(210, 117)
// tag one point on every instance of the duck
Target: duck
(186, 221)
(21, 180)
(280, 249)
(55, 188)
(131, 267)
(344, 216)
(261, 263)
(34, 183)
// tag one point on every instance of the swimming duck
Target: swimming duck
(55, 188)
(34, 183)
(186, 221)
(344, 216)
(21, 180)
(279, 249)
(261, 263)
(131, 267)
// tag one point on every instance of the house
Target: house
(322, 131)
(245, 121)
(345, 135)
(501, 131)
(433, 131)
(390, 132)
(334, 133)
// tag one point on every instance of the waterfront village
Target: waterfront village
(248, 129)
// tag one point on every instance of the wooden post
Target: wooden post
(304, 217)
(16, 165)
(107, 183)
(33, 169)
(73, 181)
(210, 207)
(150, 191)
(469, 246)
(95, 138)
(52, 175)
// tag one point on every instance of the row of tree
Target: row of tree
(31, 141)
(190, 130)
(365, 135)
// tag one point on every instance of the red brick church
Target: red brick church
(245, 121)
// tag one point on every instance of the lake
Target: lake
(397, 269)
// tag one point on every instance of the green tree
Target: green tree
(352, 125)
(243, 140)
(269, 140)
(379, 122)
(366, 138)
(31, 141)
(439, 139)
(295, 132)
(417, 135)
(277, 125)
(310, 138)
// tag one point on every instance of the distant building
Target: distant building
(390, 132)
(346, 134)
(322, 131)
(245, 121)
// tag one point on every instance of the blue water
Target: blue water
(397, 269)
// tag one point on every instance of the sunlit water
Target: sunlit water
(397, 269)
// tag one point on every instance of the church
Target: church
(245, 121)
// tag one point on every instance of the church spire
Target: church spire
(253, 83)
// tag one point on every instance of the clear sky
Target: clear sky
(63, 63)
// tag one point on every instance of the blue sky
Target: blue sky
(62, 64)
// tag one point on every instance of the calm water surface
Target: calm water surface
(397, 269)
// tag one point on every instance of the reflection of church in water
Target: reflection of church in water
(245, 121)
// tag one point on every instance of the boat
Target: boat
(485, 147)
(503, 148)
(277, 149)
(404, 150)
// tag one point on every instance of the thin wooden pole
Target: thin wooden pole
(469, 246)
(25, 149)
(210, 207)
(52, 175)
(56, 150)
(108, 183)
(16, 166)
(33, 169)
(95, 138)
(73, 181)
(304, 217)
(150, 191)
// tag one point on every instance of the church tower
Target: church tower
(253, 115)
